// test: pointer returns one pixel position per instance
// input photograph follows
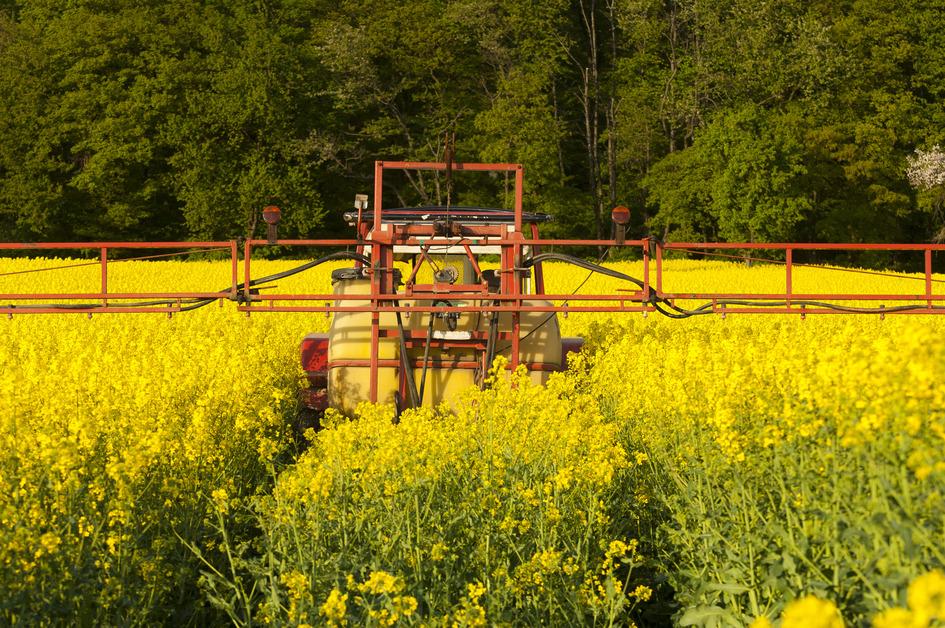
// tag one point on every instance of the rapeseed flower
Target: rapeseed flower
(811, 612)
(137, 431)
(926, 596)
(898, 618)
(335, 608)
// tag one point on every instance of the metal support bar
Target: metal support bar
(788, 267)
(104, 257)
(928, 276)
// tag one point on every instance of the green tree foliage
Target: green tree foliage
(743, 178)
(153, 120)
(711, 119)
(239, 135)
(85, 98)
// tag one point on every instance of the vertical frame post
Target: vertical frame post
(928, 277)
(519, 193)
(788, 276)
(247, 255)
(646, 270)
(104, 255)
(516, 291)
(377, 279)
(516, 255)
(235, 269)
(659, 267)
(378, 193)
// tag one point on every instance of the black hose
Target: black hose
(193, 304)
(656, 306)
(570, 259)
(426, 355)
(405, 361)
(577, 261)
(339, 255)
(491, 343)
(709, 308)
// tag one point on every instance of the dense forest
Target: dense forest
(711, 119)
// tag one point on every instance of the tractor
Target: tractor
(433, 295)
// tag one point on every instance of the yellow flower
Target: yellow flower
(404, 605)
(335, 608)
(438, 551)
(50, 542)
(760, 622)
(642, 593)
(296, 583)
(220, 498)
(381, 582)
(811, 612)
(898, 618)
(549, 560)
(926, 595)
(617, 549)
(475, 590)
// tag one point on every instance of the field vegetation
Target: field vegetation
(716, 471)
(702, 472)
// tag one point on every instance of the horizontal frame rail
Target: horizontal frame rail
(474, 298)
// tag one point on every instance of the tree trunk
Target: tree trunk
(612, 111)
(590, 100)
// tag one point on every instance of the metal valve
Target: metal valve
(272, 215)
(447, 274)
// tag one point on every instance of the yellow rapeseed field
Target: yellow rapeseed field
(706, 471)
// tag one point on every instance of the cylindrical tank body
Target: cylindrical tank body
(540, 344)
(450, 369)
(349, 348)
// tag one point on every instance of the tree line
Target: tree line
(710, 119)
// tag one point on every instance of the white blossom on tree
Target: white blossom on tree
(927, 169)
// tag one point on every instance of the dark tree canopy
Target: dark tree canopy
(790, 120)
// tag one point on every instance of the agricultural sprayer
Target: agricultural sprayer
(434, 294)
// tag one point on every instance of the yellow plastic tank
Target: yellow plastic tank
(449, 370)
(350, 341)
(453, 370)
(541, 340)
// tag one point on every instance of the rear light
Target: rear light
(315, 358)
(621, 217)
(272, 215)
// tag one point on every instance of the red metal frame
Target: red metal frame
(511, 239)
(633, 301)
(103, 294)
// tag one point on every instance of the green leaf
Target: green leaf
(729, 587)
(701, 616)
